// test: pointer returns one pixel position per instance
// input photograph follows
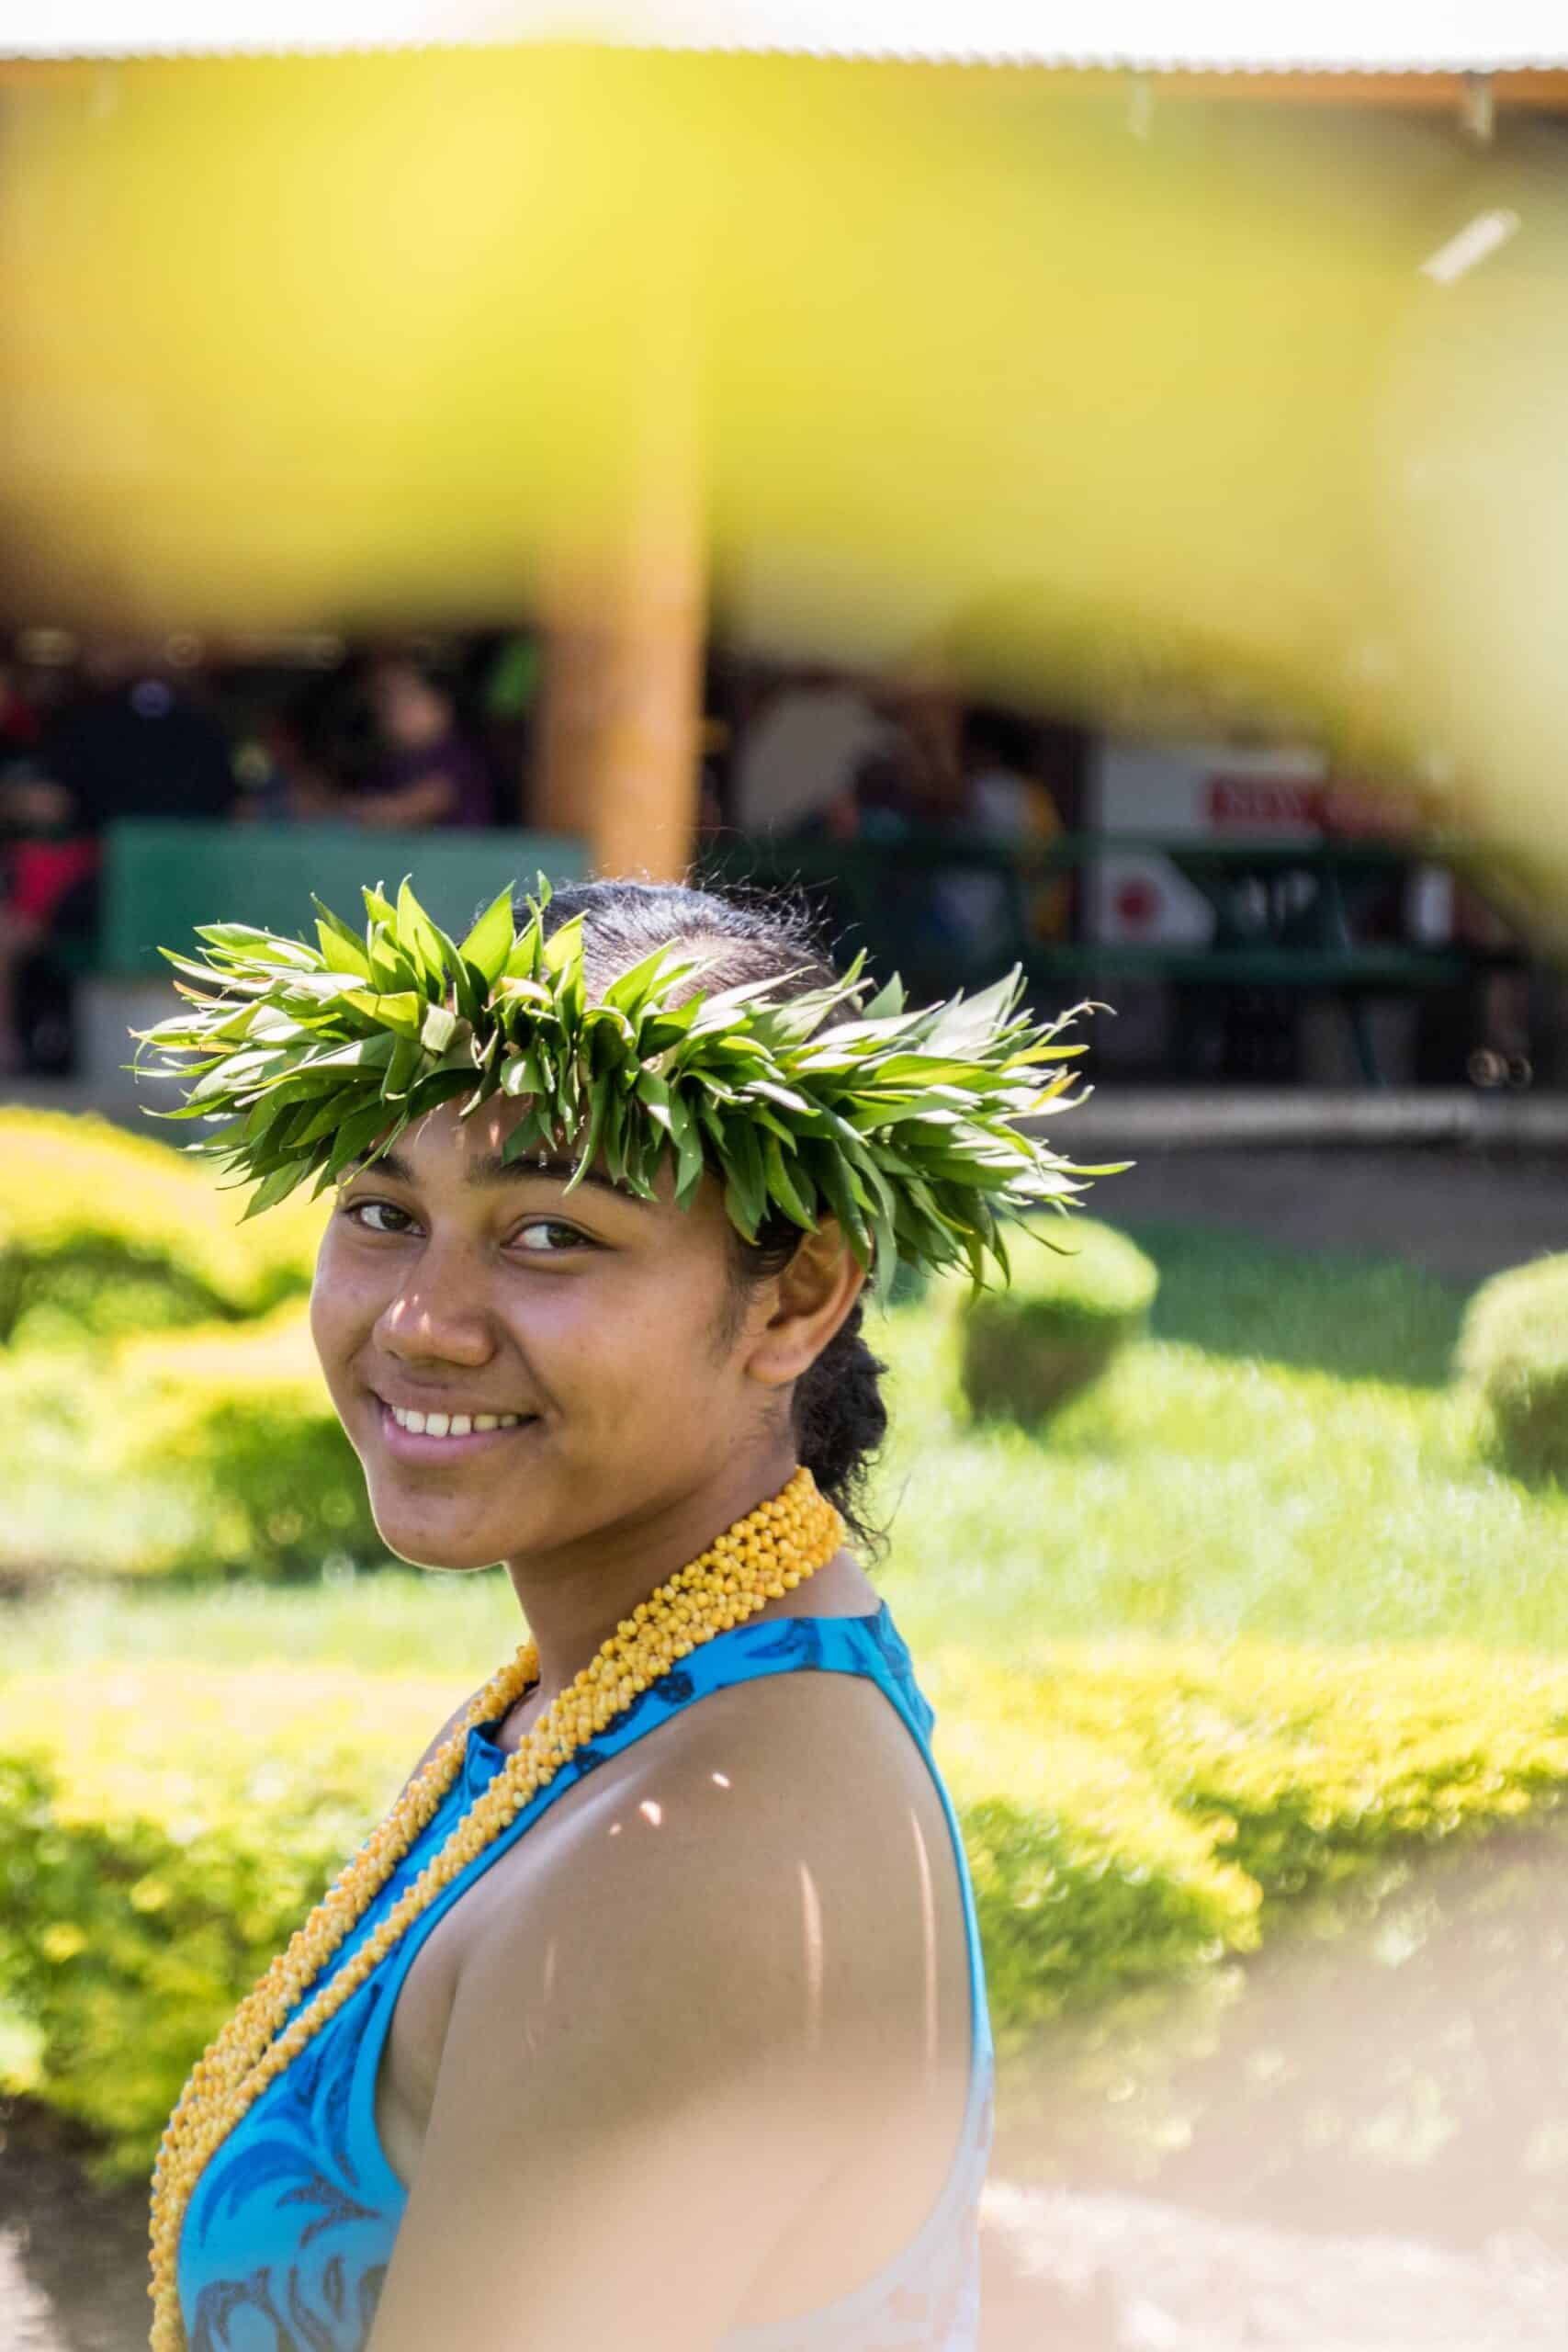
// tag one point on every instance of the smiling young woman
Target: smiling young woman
(653, 2014)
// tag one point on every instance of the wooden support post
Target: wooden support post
(625, 559)
(625, 619)
(617, 755)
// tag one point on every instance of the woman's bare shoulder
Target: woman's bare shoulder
(763, 1815)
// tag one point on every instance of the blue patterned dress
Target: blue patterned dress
(287, 2240)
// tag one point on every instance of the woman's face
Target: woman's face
(450, 1283)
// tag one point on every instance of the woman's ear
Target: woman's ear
(812, 1297)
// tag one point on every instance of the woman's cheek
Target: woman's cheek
(343, 1313)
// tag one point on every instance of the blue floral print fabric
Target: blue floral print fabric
(288, 2237)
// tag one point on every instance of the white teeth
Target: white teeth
(451, 1424)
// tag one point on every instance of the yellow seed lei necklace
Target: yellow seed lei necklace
(778, 1546)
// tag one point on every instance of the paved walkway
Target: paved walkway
(1462, 1211)
(1076, 2273)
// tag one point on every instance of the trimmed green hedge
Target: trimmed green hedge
(1513, 1350)
(162, 1833)
(102, 1232)
(1077, 1295)
(239, 1426)
(208, 1453)
(1135, 1815)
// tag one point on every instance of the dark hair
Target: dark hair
(838, 1415)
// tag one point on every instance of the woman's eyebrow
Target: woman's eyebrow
(490, 1169)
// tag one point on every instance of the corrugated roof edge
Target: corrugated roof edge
(1046, 61)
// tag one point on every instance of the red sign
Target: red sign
(1257, 801)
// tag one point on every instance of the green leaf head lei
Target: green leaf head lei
(905, 1124)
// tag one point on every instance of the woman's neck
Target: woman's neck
(574, 1597)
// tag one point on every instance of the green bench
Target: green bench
(161, 877)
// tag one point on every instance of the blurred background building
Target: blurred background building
(1059, 501)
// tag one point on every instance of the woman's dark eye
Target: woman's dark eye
(359, 1210)
(546, 1238)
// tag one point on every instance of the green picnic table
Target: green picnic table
(1270, 933)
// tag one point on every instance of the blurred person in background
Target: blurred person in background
(20, 724)
(394, 756)
(29, 808)
(966, 776)
(1003, 801)
(124, 744)
(429, 772)
(804, 742)
(130, 743)
(45, 868)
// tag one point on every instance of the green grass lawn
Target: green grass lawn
(1278, 1460)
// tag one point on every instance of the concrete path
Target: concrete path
(1073, 2273)
(1462, 1212)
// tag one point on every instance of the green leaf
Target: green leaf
(489, 945)
(690, 1162)
(276, 1187)
(617, 1123)
(332, 1116)
(887, 1001)
(262, 946)
(418, 936)
(341, 949)
(408, 1060)
(562, 953)
(403, 1012)
(526, 960)
(745, 1172)
(832, 1181)
(360, 1131)
(709, 1116)
(437, 1086)
(598, 1112)
(438, 1029)
(782, 1185)
(630, 990)
(971, 1020)
(787, 1096)
(653, 1093)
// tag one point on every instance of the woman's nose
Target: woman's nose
(440, 1311)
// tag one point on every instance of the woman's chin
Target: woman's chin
(433, 1547)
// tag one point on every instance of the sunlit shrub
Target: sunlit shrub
(1133, 1817)
(238, 1422)
(158, 1847)
(103, 1232)
(209, 1452)
(1513, 1350)
(1078, 1294)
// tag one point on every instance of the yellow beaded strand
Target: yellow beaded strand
(759, 1559)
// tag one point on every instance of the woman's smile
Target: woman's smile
(427, 1437)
